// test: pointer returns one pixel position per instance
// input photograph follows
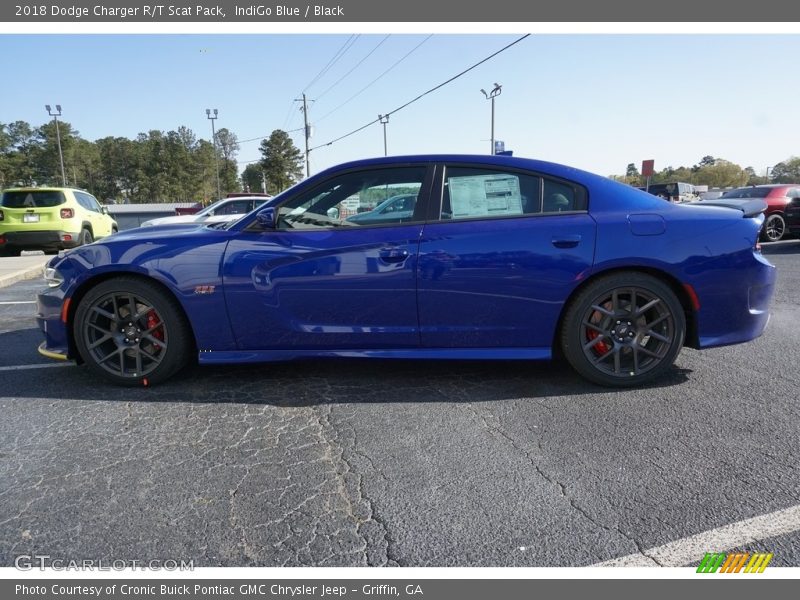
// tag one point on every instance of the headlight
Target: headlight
(53, 277)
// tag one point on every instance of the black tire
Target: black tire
(85, 237)
(774, 228)
(623, 330)
(131, 332)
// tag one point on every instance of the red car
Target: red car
(777, 196)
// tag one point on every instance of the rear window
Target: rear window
(751, 192)
(32, 199)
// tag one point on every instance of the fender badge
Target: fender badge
(204, 289)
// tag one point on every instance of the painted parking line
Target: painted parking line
(692, 549)
(20, 302)
(41, 366)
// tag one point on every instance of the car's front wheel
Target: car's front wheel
(774, 228)
(131, 332)
(623, 330)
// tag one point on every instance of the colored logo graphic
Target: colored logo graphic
(734, 563)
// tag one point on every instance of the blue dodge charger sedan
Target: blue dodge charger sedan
(499, 258)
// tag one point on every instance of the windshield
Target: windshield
(32, 199)
(750, 192)
(208, 208)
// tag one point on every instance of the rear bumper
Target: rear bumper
(41, 239)
(734, 307)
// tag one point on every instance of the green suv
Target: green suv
(50, 218)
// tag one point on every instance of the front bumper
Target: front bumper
(49, 304)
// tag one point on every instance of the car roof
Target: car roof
(769, 185)
(44, 189)
(556, 169)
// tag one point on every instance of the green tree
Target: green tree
(23, 149)
(228, 147)
(282, 161)
(787, 171)
(119, 168)
(721, 173)
(47, 159)
(253, 178)
(84, 169)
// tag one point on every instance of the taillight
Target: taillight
(2, 239)
(67, 213)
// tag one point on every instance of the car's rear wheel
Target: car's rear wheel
(85, 237)
(131, 332)
(623, 330)
(774, 228)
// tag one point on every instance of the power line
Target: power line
(371, 83)
(358, 64)
(422, 95)
(339, 54)
(263, 137)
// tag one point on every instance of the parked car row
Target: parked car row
(59, 218)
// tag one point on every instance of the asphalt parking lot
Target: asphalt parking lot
(398, 463)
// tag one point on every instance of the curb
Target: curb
(21, 275)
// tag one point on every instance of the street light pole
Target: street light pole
(384, 119)
(214, 141)
(55, 116)
(491, 96)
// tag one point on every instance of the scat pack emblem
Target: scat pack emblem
(204, 289)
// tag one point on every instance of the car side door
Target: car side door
(320, 281)
(101, 223)
(499, 257)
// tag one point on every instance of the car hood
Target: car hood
(173, 220)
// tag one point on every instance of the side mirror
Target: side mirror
(333, 213)
(104, 210)
(267, 218)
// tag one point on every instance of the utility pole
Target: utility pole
(55, 116)
(491, 96)
(307, 132)
(384, 119)
(214, 141)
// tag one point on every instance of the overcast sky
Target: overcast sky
(597, 102)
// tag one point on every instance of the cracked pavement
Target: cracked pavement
(397, 463)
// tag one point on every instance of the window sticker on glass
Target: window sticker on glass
(485, 195)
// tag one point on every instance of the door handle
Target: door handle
(566, 241)
(393, 255)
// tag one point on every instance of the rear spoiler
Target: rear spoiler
(750, 207)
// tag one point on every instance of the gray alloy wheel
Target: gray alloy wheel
(131, 331)
(623, 330)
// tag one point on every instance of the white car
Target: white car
(221, 211)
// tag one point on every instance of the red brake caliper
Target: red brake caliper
(152, 321)
(600, 348)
